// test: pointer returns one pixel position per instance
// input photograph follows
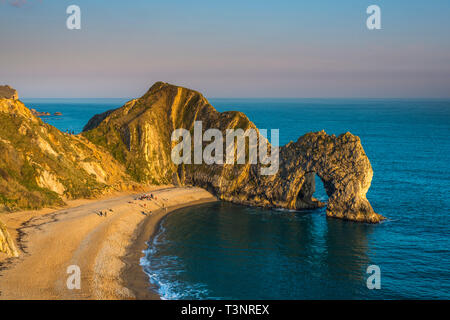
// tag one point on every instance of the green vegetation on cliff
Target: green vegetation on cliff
(41, 166)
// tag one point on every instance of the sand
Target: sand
(107, 249)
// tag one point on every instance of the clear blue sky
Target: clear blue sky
(245, 48)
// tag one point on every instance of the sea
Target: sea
(221, 250)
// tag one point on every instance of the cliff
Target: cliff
(6, 244)
(125, 148)
(139, 136)
(42, 166)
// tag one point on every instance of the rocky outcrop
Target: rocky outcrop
(6, 244)
(341, 164)
(42, 166)
(95, 120)
(40, 113)
(6, 92)
(139, 136)
(130, 146)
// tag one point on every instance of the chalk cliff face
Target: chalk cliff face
(139, 136)
(6, 244)
(41, 166)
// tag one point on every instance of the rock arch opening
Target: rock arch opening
(312, 193)
(320, 192)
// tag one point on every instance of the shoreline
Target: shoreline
(107, 248)
(133, 275)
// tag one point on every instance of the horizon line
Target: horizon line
(349, 98)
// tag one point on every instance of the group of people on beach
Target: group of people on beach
(150, 196)
(102, 213)
(146, 196)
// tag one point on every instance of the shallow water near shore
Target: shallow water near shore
(225, 251)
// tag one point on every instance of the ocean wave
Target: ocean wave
(163, 270)
(284, 210)
(171, 289)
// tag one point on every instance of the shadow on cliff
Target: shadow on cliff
(139, 136)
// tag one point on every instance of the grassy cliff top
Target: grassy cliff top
(42, 166)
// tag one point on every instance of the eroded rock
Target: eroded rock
(6, 243)
(139, 135)
(6, 92)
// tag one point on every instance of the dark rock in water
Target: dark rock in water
(39, 114)
(6, 92)
(57, 113)
(139, 135)
(342, 165)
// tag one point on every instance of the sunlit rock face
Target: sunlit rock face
(342, 165)
(6, 92)
(139, 136)
(6, 244)
(41, 166)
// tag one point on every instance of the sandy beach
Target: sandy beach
(104, 237)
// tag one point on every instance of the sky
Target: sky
(245, 48)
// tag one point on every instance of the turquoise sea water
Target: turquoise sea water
(76, 112)
(221, 250)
